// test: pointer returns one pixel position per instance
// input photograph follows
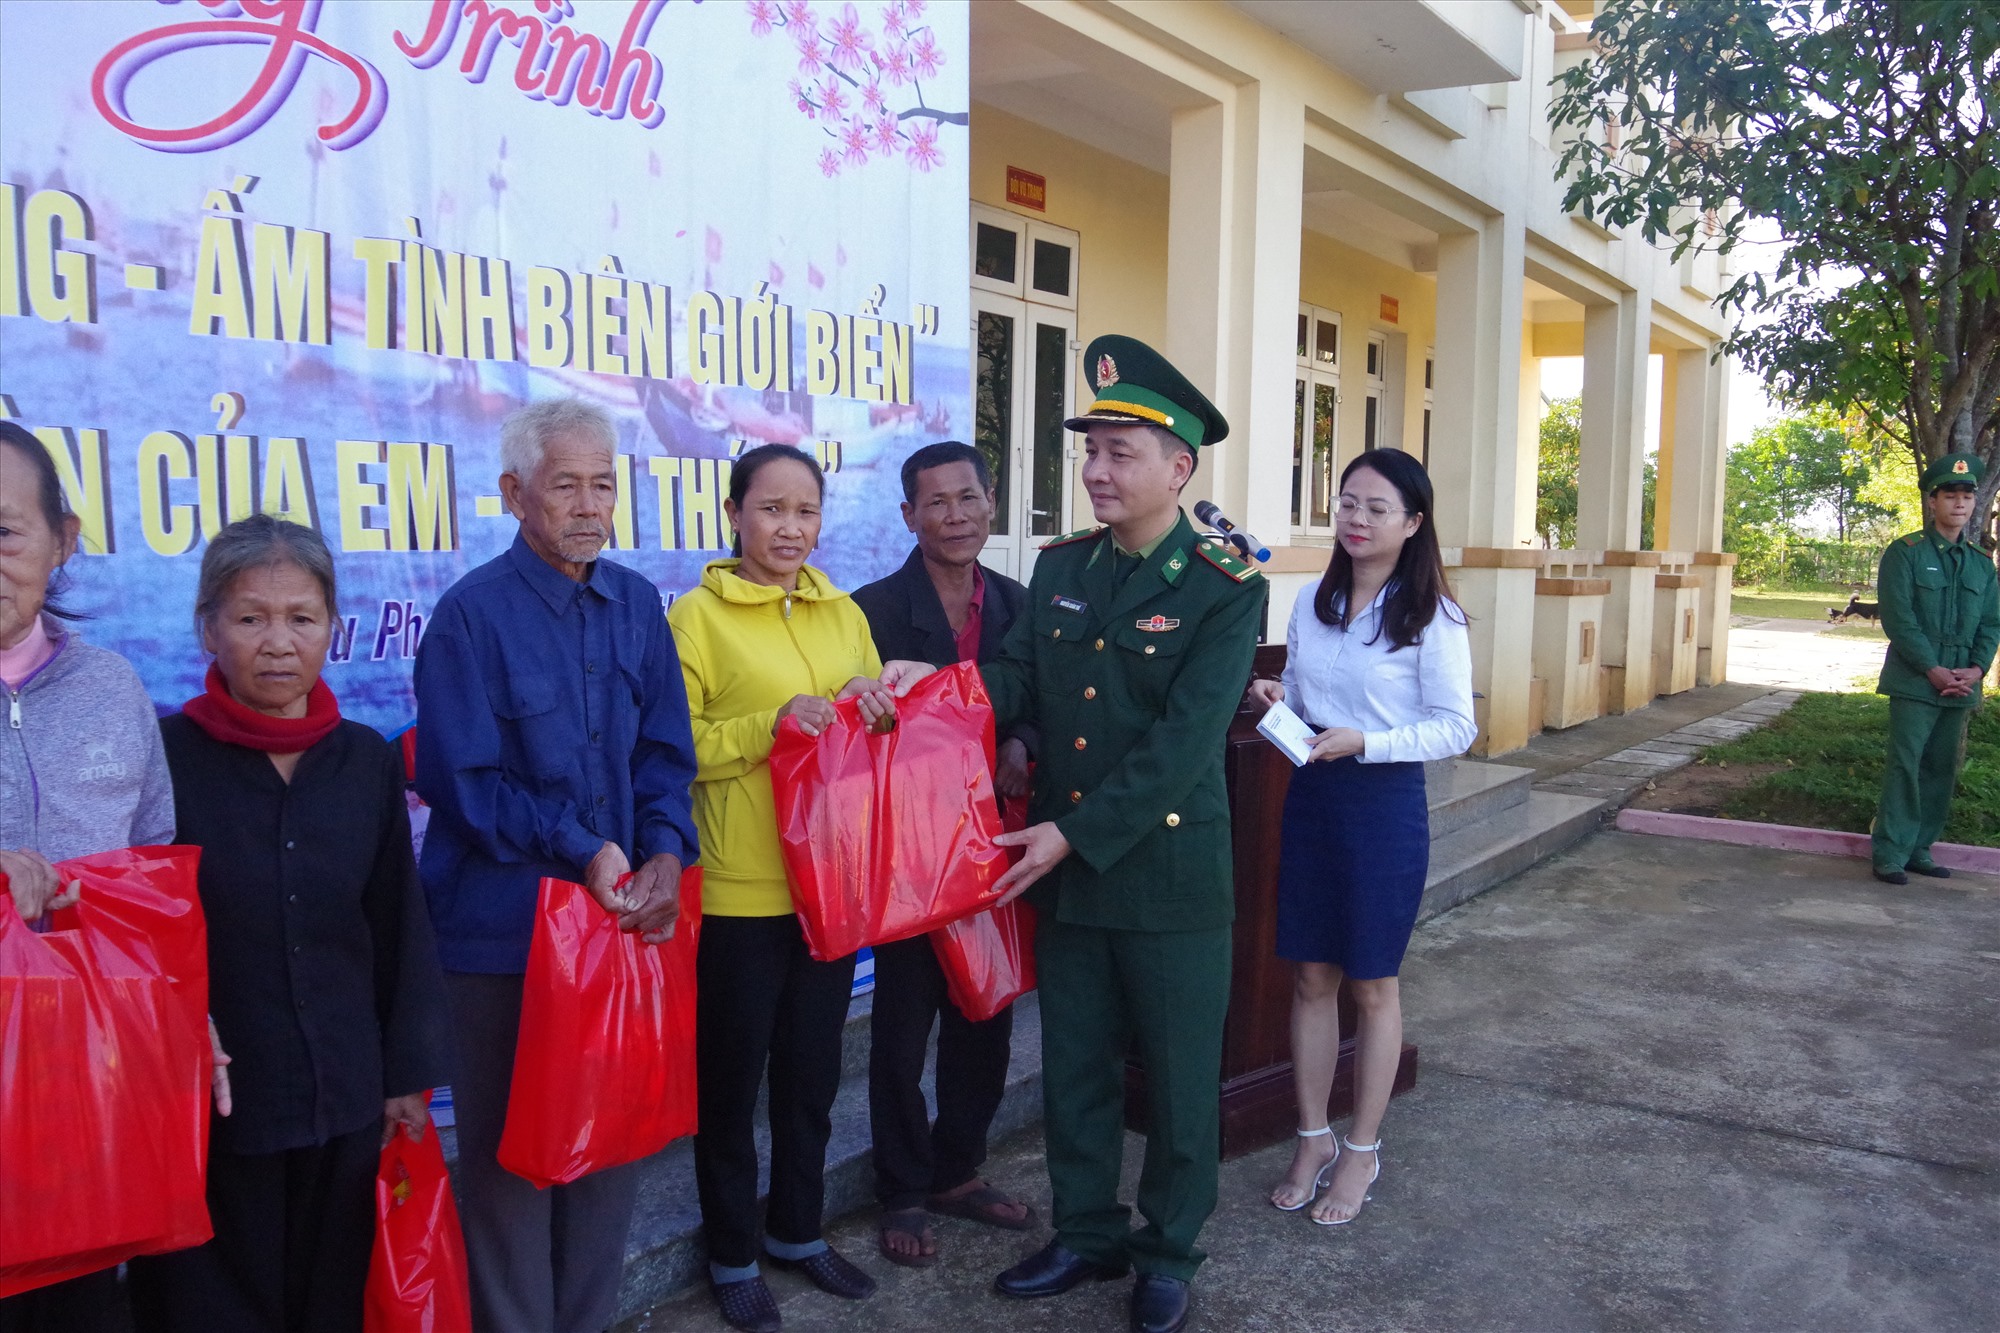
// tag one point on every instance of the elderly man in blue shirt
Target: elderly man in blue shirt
(553, 740)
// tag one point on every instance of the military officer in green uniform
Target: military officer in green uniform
(1940, 605)
(1131, 656)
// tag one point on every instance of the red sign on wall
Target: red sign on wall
(1391, 309)
(1027, 190)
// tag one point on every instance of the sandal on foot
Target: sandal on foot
(1319, 1181)
(1347, 1145)
(983, 1205)
(748, 1305)
(907, 1222)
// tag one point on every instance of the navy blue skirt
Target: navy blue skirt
(1355, 851)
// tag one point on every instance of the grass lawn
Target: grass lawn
(1809, 603)
(1831, 748)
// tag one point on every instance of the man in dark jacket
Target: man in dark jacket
(941, 607)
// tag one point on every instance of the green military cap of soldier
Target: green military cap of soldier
(1966, 470)
(1136, 386)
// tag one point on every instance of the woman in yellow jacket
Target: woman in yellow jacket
(765, 637)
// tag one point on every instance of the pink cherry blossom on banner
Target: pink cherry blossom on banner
(892, 19)
(850, 41)
(829, 166)
(923, 151)
(871, 97)
(802, 99)
(832, 99)
(925, 57)
(762, 15)
(799, 14)
(854, 137)
(887, 132)
(811, 62)
(895, 64)
(914, 9)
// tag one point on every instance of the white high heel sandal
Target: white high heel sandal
(1319, 1181)
(1349, 1145)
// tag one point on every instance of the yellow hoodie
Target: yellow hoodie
(746, 650)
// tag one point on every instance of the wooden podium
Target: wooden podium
(1256, 1091)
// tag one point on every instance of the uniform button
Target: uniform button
(1173, 821)
(1075, 797)
(1056, 635)
(600, 800)
(302, 1004)
(1149, 650)
(289, 844)
(1100, 645)
(295, 950)
(291, 897)
(1081, 742)
(590, 668)
(596, 736)
(1090, 691)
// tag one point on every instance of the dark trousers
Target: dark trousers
(1163, 996)
(541, 1260)
(1926, 750)
(764, 1001)
(293, 1234)
(90, 1302)
(915, 1158)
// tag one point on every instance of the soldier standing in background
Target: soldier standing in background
(1940, 603)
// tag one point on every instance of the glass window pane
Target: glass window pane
(1427, 437)
(1374, 358)
(1052, 268)
(1305, 322)
(1328, 346)
(993, 408)
(993, 253)
(1299, 440)
(1045, 486)
(1429, 366)
(1370, 419)
(1322, 460)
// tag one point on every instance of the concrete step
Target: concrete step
(1465, 791)
(665, 1252)
(1474, 858)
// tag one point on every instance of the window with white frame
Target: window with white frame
(1375, 384)
(1430, 368)
(1315, 420)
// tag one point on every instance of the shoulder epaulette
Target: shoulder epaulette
(1225, 560)
(1077, 536)
(1913, 539)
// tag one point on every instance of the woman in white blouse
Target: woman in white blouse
(1378, 664)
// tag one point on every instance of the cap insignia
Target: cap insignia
(1107, 370)
(1959, 466)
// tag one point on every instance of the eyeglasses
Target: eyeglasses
(1372, 514)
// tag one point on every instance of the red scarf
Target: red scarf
(221, 716)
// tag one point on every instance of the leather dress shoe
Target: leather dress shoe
(831, 1274)
(748, 1305)
(1051, 1271)
(1930, 868)
(1159, 1304)
(1891, 876)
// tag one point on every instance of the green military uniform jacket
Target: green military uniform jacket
(1133, 688)
(1940, 607)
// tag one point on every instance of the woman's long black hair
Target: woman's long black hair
(1418, 584)
(751, 461)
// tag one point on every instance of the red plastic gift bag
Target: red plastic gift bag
(988, 960)
(888, 836)
(417, 1276)
(604, 1066)
(104, 1071)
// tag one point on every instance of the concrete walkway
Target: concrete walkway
(1800, 655)
(1664, 1084)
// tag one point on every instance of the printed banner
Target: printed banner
(303, 258)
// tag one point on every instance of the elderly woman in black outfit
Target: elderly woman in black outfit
(323, 978)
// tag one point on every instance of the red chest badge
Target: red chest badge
(1157, 624)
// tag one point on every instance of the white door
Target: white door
(1024, 379)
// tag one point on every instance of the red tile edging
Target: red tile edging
(1791, 838)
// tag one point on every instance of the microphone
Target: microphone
(1253, 549)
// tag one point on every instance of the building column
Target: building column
(1701, 397)
(1610, 489)
(1479, 465)
(1234, 215)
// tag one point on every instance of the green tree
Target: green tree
(1799, 466)
(1555, 484)
(1866, 133)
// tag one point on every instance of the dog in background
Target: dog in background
(1840, 615)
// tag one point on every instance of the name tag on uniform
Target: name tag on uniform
(1157, 624)
(1069, 604)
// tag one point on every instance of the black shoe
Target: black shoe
(1891, 876)
(831, 1274)
(748, 1305)
(1051, 1271)
(1931, 868)
(1159, 1304)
